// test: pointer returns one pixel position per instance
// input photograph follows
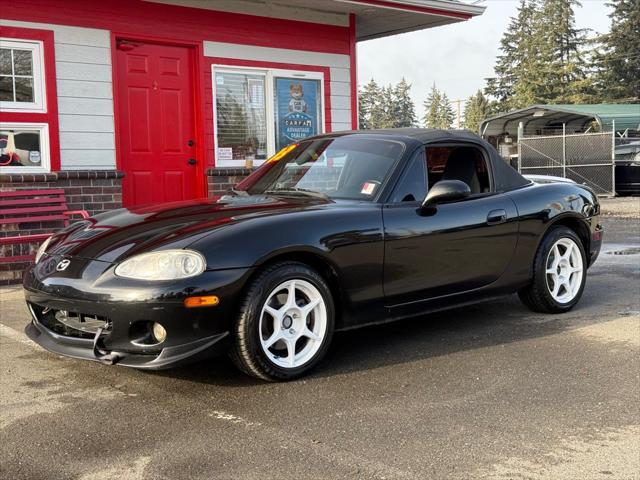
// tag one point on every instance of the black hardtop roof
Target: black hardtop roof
(505, 177)
(419, 134)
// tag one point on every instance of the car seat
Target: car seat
(461, 165)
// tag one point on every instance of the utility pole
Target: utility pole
(458, 103)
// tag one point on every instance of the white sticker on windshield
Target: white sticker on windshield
(368, 188)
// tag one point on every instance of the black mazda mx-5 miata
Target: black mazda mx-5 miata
(334, 232)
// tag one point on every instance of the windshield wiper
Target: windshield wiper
(240, 193)
(304, 191)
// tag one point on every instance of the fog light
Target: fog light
(159, 333)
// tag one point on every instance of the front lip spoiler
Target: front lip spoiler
(85, 349)
(597, 237)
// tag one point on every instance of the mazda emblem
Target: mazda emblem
(63, 265)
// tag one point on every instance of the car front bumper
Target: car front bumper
(114, 316)
(595, 245)
(87, 349)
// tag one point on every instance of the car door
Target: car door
(451, 248)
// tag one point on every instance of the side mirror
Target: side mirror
(446, 191)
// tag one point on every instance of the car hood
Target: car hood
(119, 234)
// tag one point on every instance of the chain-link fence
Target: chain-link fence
(586, 158)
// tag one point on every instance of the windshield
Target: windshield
(350, 167)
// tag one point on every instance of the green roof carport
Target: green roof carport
(575, 117)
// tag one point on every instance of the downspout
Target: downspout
(353, 72)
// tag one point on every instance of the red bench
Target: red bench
(32, 206)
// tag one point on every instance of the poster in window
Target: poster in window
(20, 148)
(256, 92)
(297, 110)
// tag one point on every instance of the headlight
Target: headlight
(42, 249)
(164, 265)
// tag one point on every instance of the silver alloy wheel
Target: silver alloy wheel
(564, 270)
(293, 323)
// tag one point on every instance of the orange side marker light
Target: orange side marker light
(204, 301)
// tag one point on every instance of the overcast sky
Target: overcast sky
(456, 57)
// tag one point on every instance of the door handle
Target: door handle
(496, 217)
(192, 161)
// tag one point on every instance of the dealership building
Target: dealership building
(130, 102)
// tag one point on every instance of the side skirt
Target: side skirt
(395, 313)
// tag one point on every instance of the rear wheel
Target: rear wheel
(559, 273)
(286, 323)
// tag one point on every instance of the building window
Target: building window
(29, 141)
(241, 116)
(259, 111)
(21, 76)
(24, 147)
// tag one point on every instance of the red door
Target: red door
(156, 123)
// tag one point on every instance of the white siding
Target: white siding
(84, 89)
(87, 141)
(84, 53)
(337, 126)
(339, 71)
(340, 89)
(83, 71)
(340, 116)
(340, 75)
(343, 103)
(93, 159)
(86, 106)
(85, 123)
(85, 95)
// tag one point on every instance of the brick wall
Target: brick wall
(94, 191)
(221, 180)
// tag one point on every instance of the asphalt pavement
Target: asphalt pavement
(490, 391)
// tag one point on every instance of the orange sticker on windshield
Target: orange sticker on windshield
(282, 153)
(368, 188)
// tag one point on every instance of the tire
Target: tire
(559, 273)
(270, 324)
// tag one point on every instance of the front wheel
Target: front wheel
(285, 324)
(559, 273)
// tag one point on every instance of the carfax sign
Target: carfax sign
(297, 114)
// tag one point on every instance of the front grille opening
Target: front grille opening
(72, 324)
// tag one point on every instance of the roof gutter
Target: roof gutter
(428, 7)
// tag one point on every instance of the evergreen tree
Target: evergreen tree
(543, 57)
(446, 114)
(388, 108)
(619, 65)
(404, 108)
(438, 110)
(369, 108)
(432, 105)
(476, 109)
(515, 74)
(560, 58)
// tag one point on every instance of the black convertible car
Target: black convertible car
(334, 232)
